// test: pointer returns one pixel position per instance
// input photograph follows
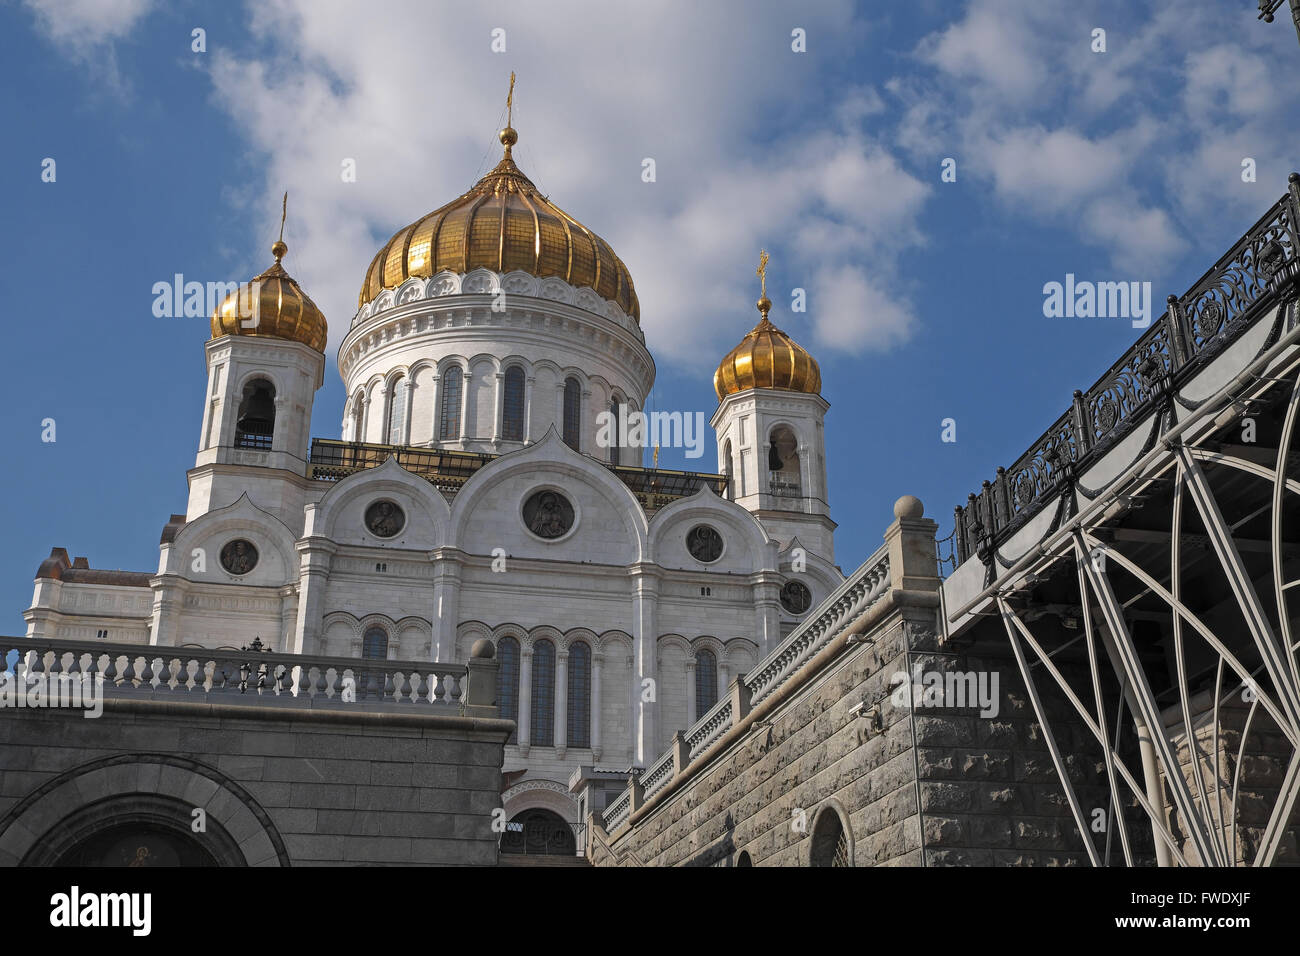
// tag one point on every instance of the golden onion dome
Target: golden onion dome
(503, 224)
(272, 305)
(767, 358)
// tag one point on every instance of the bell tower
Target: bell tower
(265, 362)
(770, 432)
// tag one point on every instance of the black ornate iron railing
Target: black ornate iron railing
(333, 460)
(1247, 281)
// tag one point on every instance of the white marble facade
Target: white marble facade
(620, 581)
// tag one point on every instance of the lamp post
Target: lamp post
(1268, 7)
(257, 648)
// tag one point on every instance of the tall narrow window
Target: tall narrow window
(512, 408)
(397, 412)
(508, 681)
(572, 412)
(613, 441)
(579, 695)
(543, 716)
(255, 424)
(449, 417)
(374, 645)
(706, 683)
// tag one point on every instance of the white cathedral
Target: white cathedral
(470, 495)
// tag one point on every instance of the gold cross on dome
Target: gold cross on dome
(762, 269)
(284, 212)
(510, 99)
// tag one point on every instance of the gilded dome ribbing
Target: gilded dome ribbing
(502, 224)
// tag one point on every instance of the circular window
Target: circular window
(795, 597)
(385, 519)
(548, 514)
(704, 543)
(239, 556)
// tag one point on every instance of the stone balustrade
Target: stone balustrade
(254, 676)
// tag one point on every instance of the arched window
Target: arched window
(614, 434)
(706, 682)
(725, 467)
(397, 412)
(508, 681)
(743, 859)
(374, 645)
(783, 463)
(543, 716)
(255, 424)
(579, 694)
(512, 408)
(572, 412)
(830, 841)
(449, 417)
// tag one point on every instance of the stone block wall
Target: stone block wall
(278, 785)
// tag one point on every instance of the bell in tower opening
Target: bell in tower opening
(256, 423)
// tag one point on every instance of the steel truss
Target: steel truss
(1203, 576)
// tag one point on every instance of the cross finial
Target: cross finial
(508, 136)
(762, 269)
(279, 248)
(510, 99)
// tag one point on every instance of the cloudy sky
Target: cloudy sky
(924, 296)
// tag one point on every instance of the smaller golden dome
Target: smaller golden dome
(767, 358)
(272, 305)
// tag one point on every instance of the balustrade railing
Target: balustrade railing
(1247, 281)
(236, 676)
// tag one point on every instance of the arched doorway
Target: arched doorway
(539, 832)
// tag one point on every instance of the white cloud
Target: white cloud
(718, 100)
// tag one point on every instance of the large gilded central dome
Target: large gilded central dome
(503, 224)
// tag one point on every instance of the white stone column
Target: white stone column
(446, 602)
(586, 425)
(635, 694)
(691, 715)
(288, 617)
(525, 697)
(496, 407)
(767, 612)
(597, 662)
(435, 390)
(724, 678)
(645, 607)
(313, 577)
(559, 409)
(385, 416)
(466, 393)
(561, 701)
(406, 411)
(528, 409)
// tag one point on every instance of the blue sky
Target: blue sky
(925, 298)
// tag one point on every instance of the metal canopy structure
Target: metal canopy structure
(1149, 586)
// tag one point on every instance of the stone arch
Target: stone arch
(829, 826)
(277, 563)
(54, 817)
(747, 546)
(339, 515)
